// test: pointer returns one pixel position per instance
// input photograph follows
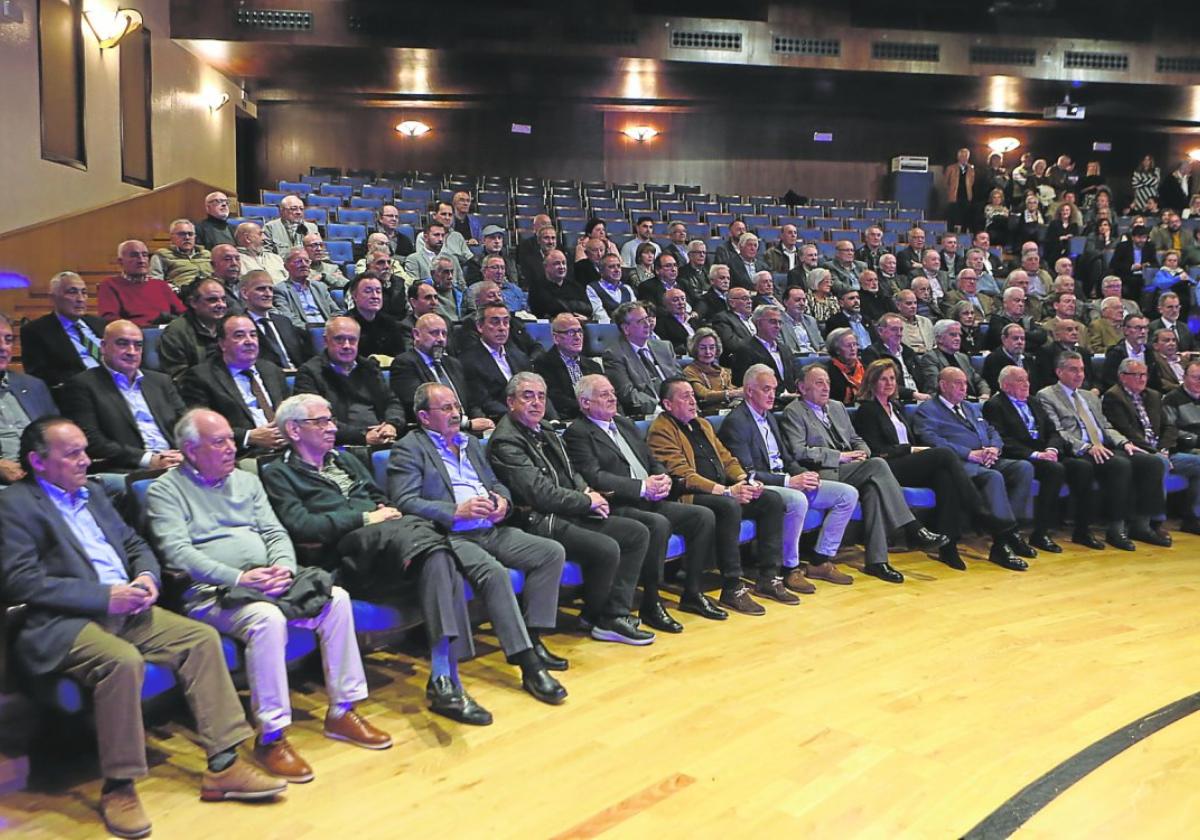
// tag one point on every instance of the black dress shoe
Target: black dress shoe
(927, 540)
(1152, 537)
(1088, 539)
(884, 571)
(1042, 542)
(450, 700)
(657, 617)
(549, 660)
(1020, 548)
(542, 686)
(1002, 555)
(702, 605)
(948, 554)
(1119, 539)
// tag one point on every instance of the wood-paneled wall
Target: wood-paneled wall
(87, 242)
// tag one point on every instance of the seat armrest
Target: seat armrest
(12, 616)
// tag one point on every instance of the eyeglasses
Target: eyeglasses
(318, 421)
(574, 332)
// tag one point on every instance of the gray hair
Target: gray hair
(746, 237)
(477, 289)
(816, 276)
(942, 327)
(1128, 363)
(442, 259)
(1010, 292)
(421, 396)
(291, 252)
(296, 407)
(57, 280)
(958, 309)
(519, 381)
(1009, 327)
(177, 222)
(833, 340)
(757, 372)
(1008, 372)
(1067, 356)
(765, 309)
(239, 232)
(714, 268)
(185, 429)
(587, 385)
(1110, 301)
(704, 332)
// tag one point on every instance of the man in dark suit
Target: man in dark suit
(427, 362)
(676, 325)
(1012, 311)
(1029, 435)
(23, 399)
(908, 258)
(666, 277)
(843, 267)
(1065, 337)
(716, 299)
(377, 549)
(613, 459)
(556, 291)
(1129, 258)
(423, 299)
(366, 409)
(128, 414)
(279, 340)
(612, 551)
(1010, 352)
(491, 360)
(1005, 484)
(565, 365)
(192, 338)
(734, 326)
(239, 386)
(766, 349)
(746, 262)
(810, 261)
(1131, 481)
(1137, 333)
(639, 363)
(66, 341)
(91, 584)
(1169, 319)
(948, 335)
(890, 330)
(752, 435)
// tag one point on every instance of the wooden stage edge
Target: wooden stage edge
(867, 711)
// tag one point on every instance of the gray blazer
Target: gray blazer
(44, 565)
(809, 441)
(287, 301)
(277, 241)
(31, 394)
(635, 388)
(417, 481)
(930, 364)
(809, 324)
(1054, 399)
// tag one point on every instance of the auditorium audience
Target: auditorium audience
(323, 268)
(379, 331)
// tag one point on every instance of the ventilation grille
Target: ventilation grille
(898, 51)
(730, 41)
(1011, 56)
(277, 20)
(827, 47)
(1076, 60)
(1177, 64)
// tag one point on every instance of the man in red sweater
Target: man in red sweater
(132, 295)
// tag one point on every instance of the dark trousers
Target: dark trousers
(1130, 485)
(939, 469)
(767, 513)
(1050, 476)
(694, 523)
(611, 552)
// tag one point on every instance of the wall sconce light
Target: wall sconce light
(640, 133)
(1194, 154)
(412, 128)
(1003, 145)
(110, 29)
(216, 101)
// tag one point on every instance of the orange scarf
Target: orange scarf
(854, 376)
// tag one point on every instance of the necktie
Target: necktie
(636, 470)
(1027, 418)
(260, 395)
(573, 369)
(443, 378)
(1144, 419)
(268, 331)
(962, 415)
(88, 340)
(651, 366)
(1085, 417)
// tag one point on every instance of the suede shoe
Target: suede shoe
(452, 701)
(123, 813)
(798, 582)
(829, 573)
(240, 781)
(738, 599)
(353, 728)
(282, 761)
(773, 588)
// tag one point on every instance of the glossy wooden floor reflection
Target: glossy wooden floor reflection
(868, 711)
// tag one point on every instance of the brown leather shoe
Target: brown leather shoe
(774, 589)
(353, 728)
(829, 573)
(279, 759)
(797, 582)
(738, 599)
(240, 780)
(123, 813)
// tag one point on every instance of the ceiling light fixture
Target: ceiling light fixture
(640, 133)
(1194, 154)
(1003, 145)
(110, 29)
(412, 128)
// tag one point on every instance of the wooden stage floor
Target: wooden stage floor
(868, 711)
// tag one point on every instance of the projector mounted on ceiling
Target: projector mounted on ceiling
(1065, 110)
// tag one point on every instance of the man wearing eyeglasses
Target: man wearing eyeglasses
(213, 229)
(397, 240)
(563, 366)
(184, 261)
(127, 414)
